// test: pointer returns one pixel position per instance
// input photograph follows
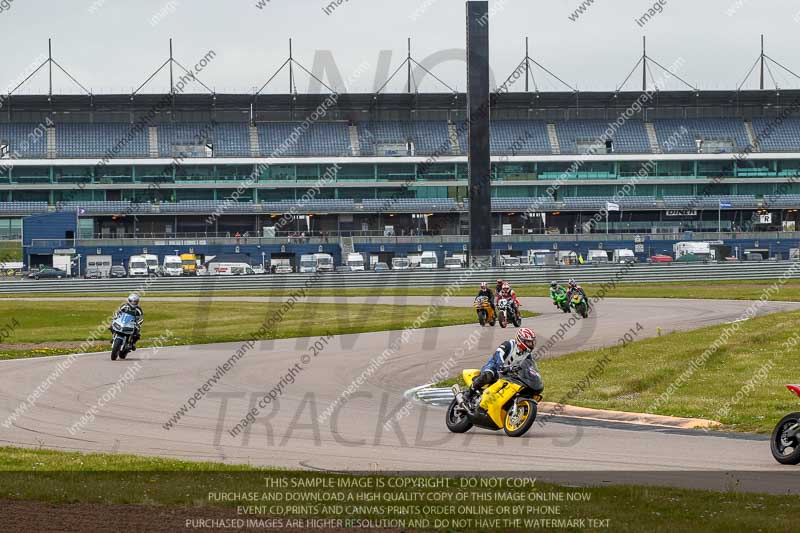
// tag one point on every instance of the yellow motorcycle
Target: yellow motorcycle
(484, 309)
(510, 403)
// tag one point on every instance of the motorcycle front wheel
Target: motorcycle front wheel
(116, 347)
(503, 320)
(482, 317)
(519, 424)
(456, 419)
(786, 450)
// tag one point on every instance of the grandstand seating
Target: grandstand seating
(708, 129)
(783, 201)
(410, 205)
(229, 139)
(332, 139)
(777, 138)
(631, 137)
(513, 137)
(288, 139)
(19, 140)
(22, 208)
(709, 202)
(98, 140)
(103, 208)
(429, 137)
(522, 204)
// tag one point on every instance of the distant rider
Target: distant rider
(132, 307)
(508, 355)
(555, 289)
(487, 292)
(506, 292)
(499, 286)
(574, 287)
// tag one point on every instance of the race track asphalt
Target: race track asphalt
(294, 430)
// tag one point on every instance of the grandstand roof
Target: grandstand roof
(700, 103)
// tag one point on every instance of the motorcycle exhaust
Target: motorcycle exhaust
(458, 394)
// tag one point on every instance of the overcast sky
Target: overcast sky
(113, 45)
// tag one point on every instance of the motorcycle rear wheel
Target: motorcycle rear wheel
(778, 444)
(520, 425)
(116, 347)
(457, 422)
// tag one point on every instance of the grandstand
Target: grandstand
(398, 138)
(232, 164)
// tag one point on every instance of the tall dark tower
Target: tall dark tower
(480, 212)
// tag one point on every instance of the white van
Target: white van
(453, 262)
(429, 260)
(624, 255)
(356, 262)
(137, 267)
(230, 269)
(152, 263)
(172, 266)
(324, 262)
(308, 264)
(597, 256)
(401, 263)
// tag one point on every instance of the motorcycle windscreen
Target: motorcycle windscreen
(126, 322)
(495, 397)
(528, 373)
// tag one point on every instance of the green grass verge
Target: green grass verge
(741, 383)
(60, 477)
(53, 328)
(728, 290)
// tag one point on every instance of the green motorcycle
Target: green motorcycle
(579, 303)
(561, 300)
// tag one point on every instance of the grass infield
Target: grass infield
(52, 328)
(712, 290)
(206, 488)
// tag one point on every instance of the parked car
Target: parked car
(93, 273)
(343, 268)
(661, 258)
(380, 267)
(48, 273)
(283, 269)
(118, 271)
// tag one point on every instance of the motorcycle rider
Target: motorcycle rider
(486, 291)
(499, 286)
(132, 307)
(573, 286)
(555, 288)
(508, 355)
(506, 292)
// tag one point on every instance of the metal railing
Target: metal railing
(647, 273)
(199, 239)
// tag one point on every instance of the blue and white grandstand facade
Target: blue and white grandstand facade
(297, 173)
